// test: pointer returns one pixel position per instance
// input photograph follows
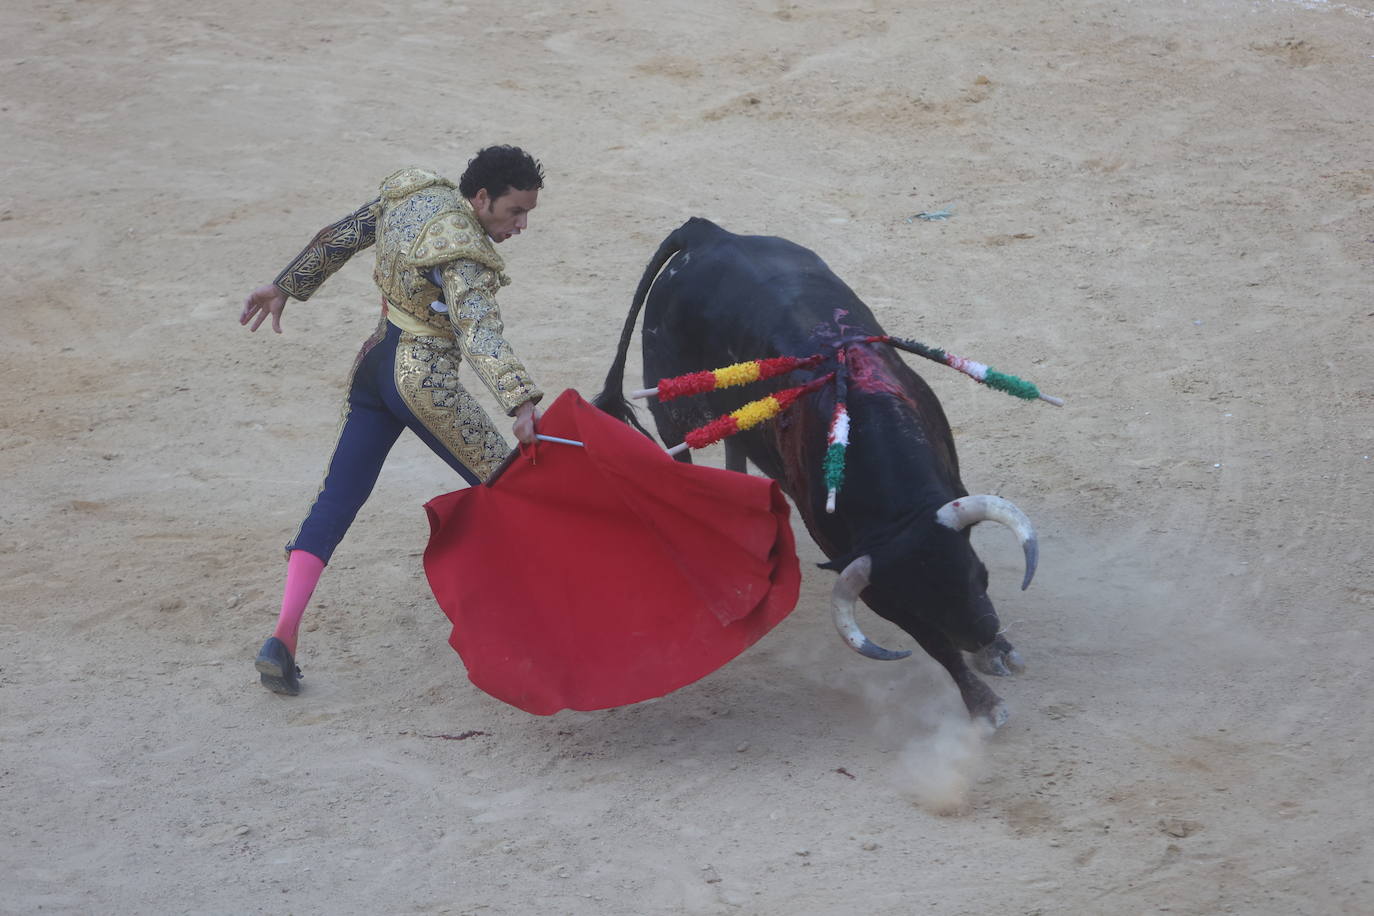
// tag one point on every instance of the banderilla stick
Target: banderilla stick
(515, 453)
(748, 416)
(728, 377)
(1001, 381)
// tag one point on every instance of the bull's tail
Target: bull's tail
(612, 398)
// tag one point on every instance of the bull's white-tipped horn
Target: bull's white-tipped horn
(967, 510)
(845, 595)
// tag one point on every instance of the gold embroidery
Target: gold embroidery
(329, 250)
(408, 181)
(480, 330)
(426, 223)
(402, 282)
(427, 378)
(456, 234)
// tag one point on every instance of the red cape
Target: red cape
(585, 578)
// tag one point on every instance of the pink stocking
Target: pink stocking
(302, 573)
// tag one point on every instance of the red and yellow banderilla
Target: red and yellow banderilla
(729, 377)
(748, 416)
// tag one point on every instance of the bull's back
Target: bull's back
(734, 297)
(712, 298)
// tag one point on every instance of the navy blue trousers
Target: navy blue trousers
(373, 419)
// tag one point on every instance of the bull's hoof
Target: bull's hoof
(988, 707)
(1000, 659)
(980, 701)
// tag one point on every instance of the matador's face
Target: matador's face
(507, 215)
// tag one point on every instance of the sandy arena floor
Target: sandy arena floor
(1163, 211)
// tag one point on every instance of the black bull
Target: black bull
(900, 530)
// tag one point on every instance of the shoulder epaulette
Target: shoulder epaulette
(453, 236)
(408, 181)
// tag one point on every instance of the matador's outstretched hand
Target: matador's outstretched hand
(261, 302)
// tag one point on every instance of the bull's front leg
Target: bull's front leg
(999, 658)
(979, 698)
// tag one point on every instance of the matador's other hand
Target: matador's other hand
(525, 417)
(261, 302)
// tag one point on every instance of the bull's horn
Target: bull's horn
(848, 587)
(967, 510)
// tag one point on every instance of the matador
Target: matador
(438, 271)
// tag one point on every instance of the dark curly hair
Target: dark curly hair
(500, 168)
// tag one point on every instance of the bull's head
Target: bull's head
(935, 571)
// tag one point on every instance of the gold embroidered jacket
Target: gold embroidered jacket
(420, 223)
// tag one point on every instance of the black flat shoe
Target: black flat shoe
(278, 668)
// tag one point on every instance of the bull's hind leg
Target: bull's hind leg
(672, 424)
(734, 456)
(672, 419)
